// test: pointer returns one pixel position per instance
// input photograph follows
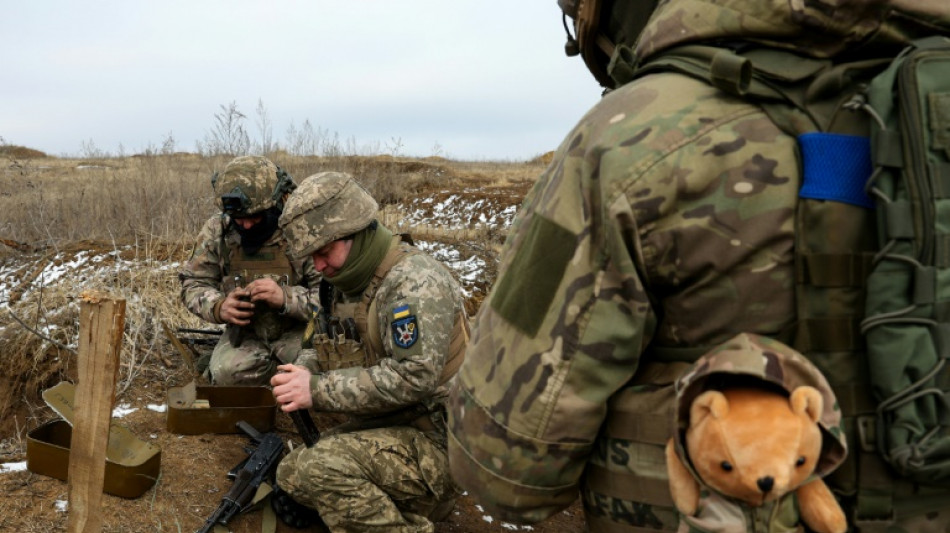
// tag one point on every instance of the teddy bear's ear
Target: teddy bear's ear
(710, 403)
(808, 401)
(683, 486)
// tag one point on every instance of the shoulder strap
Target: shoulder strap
(800, 94)
(395, 254)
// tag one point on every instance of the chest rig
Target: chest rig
(348, 335)
(241, 268)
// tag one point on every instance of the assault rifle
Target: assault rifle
(210, 338)
(257, 468)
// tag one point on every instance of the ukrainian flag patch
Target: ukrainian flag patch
(400, 312)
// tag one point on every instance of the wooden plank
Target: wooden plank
(101, 324)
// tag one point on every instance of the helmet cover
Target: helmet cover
(250, 184)
(326, 207)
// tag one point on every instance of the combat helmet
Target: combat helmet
(599, 27)
(614, 37)
(249, 185)
(326, 207)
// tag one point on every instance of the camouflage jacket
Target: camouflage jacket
(417, 290)
(665, 219)
(202, 277)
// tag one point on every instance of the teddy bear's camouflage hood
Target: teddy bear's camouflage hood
(749, 359)
(820, 28)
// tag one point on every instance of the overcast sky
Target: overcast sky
(458, 78)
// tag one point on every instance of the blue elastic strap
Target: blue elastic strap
(836, 167)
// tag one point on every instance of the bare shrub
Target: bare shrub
(228, 135)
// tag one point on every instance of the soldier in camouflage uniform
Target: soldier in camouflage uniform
(663, 227)
(240, 275)
(388, 337)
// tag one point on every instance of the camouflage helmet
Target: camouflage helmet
(250, 184)
(326, 207)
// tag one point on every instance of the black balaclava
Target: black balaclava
(254, 238)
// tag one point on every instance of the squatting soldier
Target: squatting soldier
(240, 275)
(664, 226)
(388, 336)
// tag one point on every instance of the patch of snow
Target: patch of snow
(12, 467)
(158, 408)
(122, 410)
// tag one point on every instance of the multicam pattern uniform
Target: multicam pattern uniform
(202, 288)
(393, 478)
(663, 227)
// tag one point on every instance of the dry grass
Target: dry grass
(50, 201)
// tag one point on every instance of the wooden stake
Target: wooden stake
(101, 324)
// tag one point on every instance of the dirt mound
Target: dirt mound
(20, 152)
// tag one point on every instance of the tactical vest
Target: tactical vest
(241, 268)
(348, 336)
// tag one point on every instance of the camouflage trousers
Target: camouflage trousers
(254, 361)
(387, 479)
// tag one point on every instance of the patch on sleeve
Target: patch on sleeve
(405, 327)
(526, 289)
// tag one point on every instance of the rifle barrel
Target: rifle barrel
(201, 331)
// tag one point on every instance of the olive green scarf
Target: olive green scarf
(368, 250)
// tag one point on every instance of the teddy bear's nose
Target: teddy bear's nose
(765, 483)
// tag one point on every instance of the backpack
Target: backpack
(872, 244)
(907, 320)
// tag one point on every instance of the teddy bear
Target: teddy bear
(747, 443)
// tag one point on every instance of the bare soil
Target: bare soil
(192, 482)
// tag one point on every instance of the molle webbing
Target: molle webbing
(641, 415)
(628, 486)
(907, 325)
(270, 261)
(798, 93)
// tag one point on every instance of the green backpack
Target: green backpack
(872, 245)
(907, 321)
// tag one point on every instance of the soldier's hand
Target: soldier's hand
(236, 309)
(266, 290)
(292, 388)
